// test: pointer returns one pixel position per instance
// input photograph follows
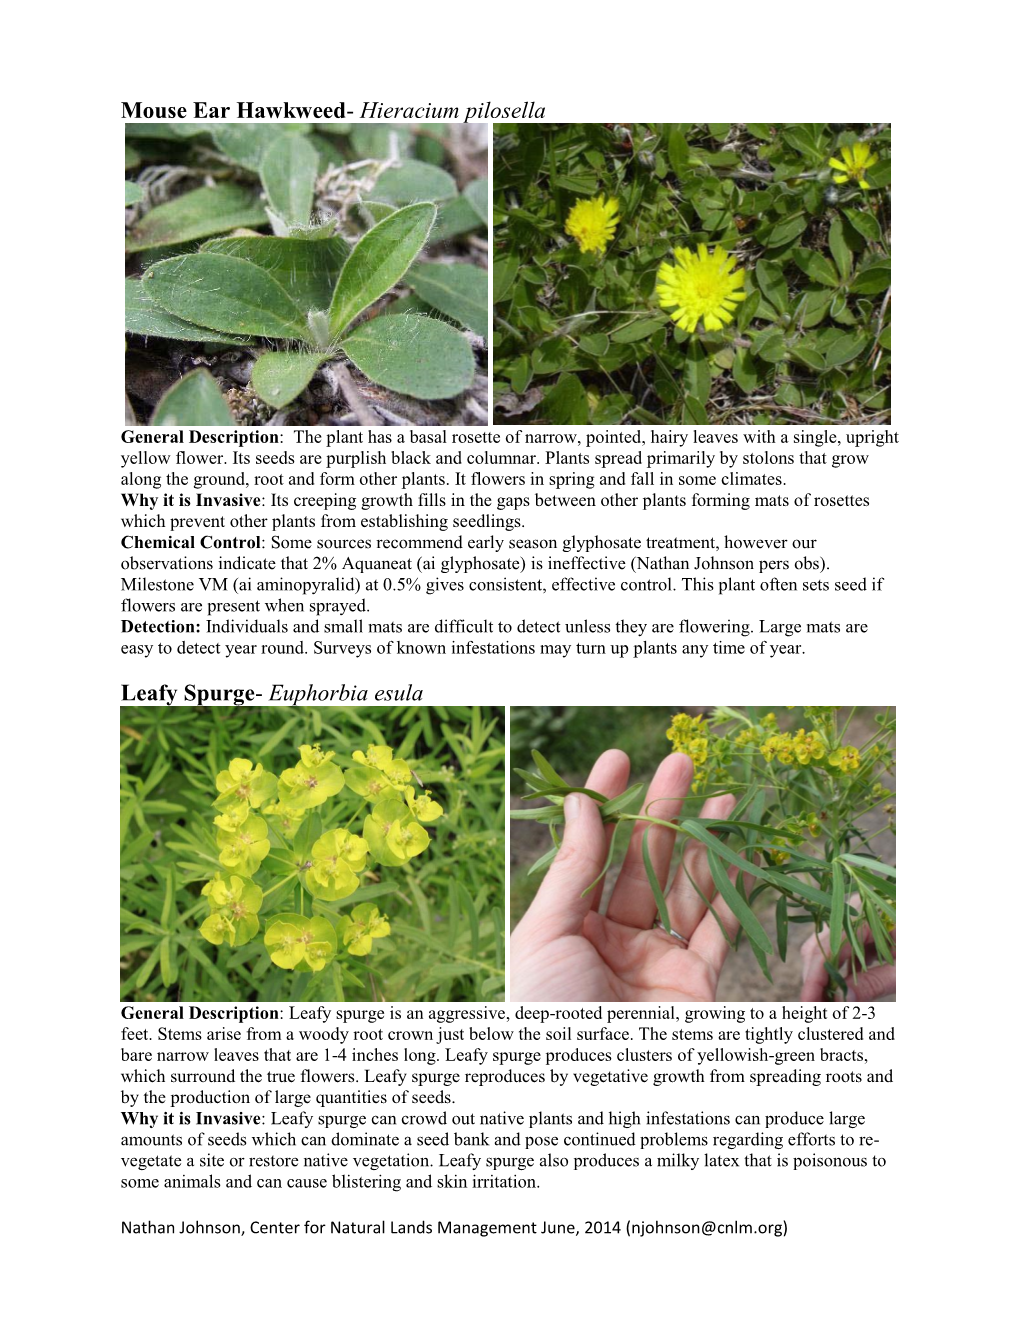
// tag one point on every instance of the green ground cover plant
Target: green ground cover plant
(692, 273)
(296, 248)
(305, 853)
(802, 836)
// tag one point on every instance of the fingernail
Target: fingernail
(851, 995)
(571, 806)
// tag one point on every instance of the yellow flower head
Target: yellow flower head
(593, 223)
(852, 162)
(846, 759)
(702, 286)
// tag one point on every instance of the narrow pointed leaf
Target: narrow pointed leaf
(699, 831)
(144, 317)
(194, 401)
(380, 259)
(837, 895)
(280, 377)
(460, 292)
(752, 927)
(653, 880)
(307, 268)
(198, 214)
(413, 355)
(226, 293)
(288, 172)
(132, 193)
(869, 864)
(550, 775)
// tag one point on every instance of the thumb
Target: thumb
(560, 906)
(872, 984)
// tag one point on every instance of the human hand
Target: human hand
(564, 950)
(867, 983)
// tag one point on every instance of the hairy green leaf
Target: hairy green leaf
(225, 293)
(280, 377)
(413, 181)
(380, 259)
(198, 214)
(413, 355)
(194, 401)
(288, 171)
(459, 291)
(247, 144)
(144, 317)
(307, 268)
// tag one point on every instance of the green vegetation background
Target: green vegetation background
(581, 339)
(446, 912)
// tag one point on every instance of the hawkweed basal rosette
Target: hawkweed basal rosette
(310, 292)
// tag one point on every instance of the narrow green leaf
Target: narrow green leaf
(844, 349)
(643, 328)
(865, 224)
(772, 283)
(288, 173)
(143, 317)
(653, 880)
(544, 862)
(225, 293)
(745, 371)
(782, 927)
(839, 247)
(838, 896)
(198, 214)
(816, 267)
(504, 275)
(459, 291)
(699, 831)
(413, 355)
(194, 401)
(752, 927)
(550, 775)
(380, 259)
(132, 193)
(875, 279)
(280, 377)
(869, 864)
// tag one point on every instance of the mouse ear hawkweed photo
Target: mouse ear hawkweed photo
(692, 273)
(359, 268)
(800, 841)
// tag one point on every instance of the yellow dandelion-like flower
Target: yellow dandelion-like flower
(852, 162)
(593, 223)
(701, 286)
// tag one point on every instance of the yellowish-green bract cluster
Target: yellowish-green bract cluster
(847, 771)
(258, 811)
